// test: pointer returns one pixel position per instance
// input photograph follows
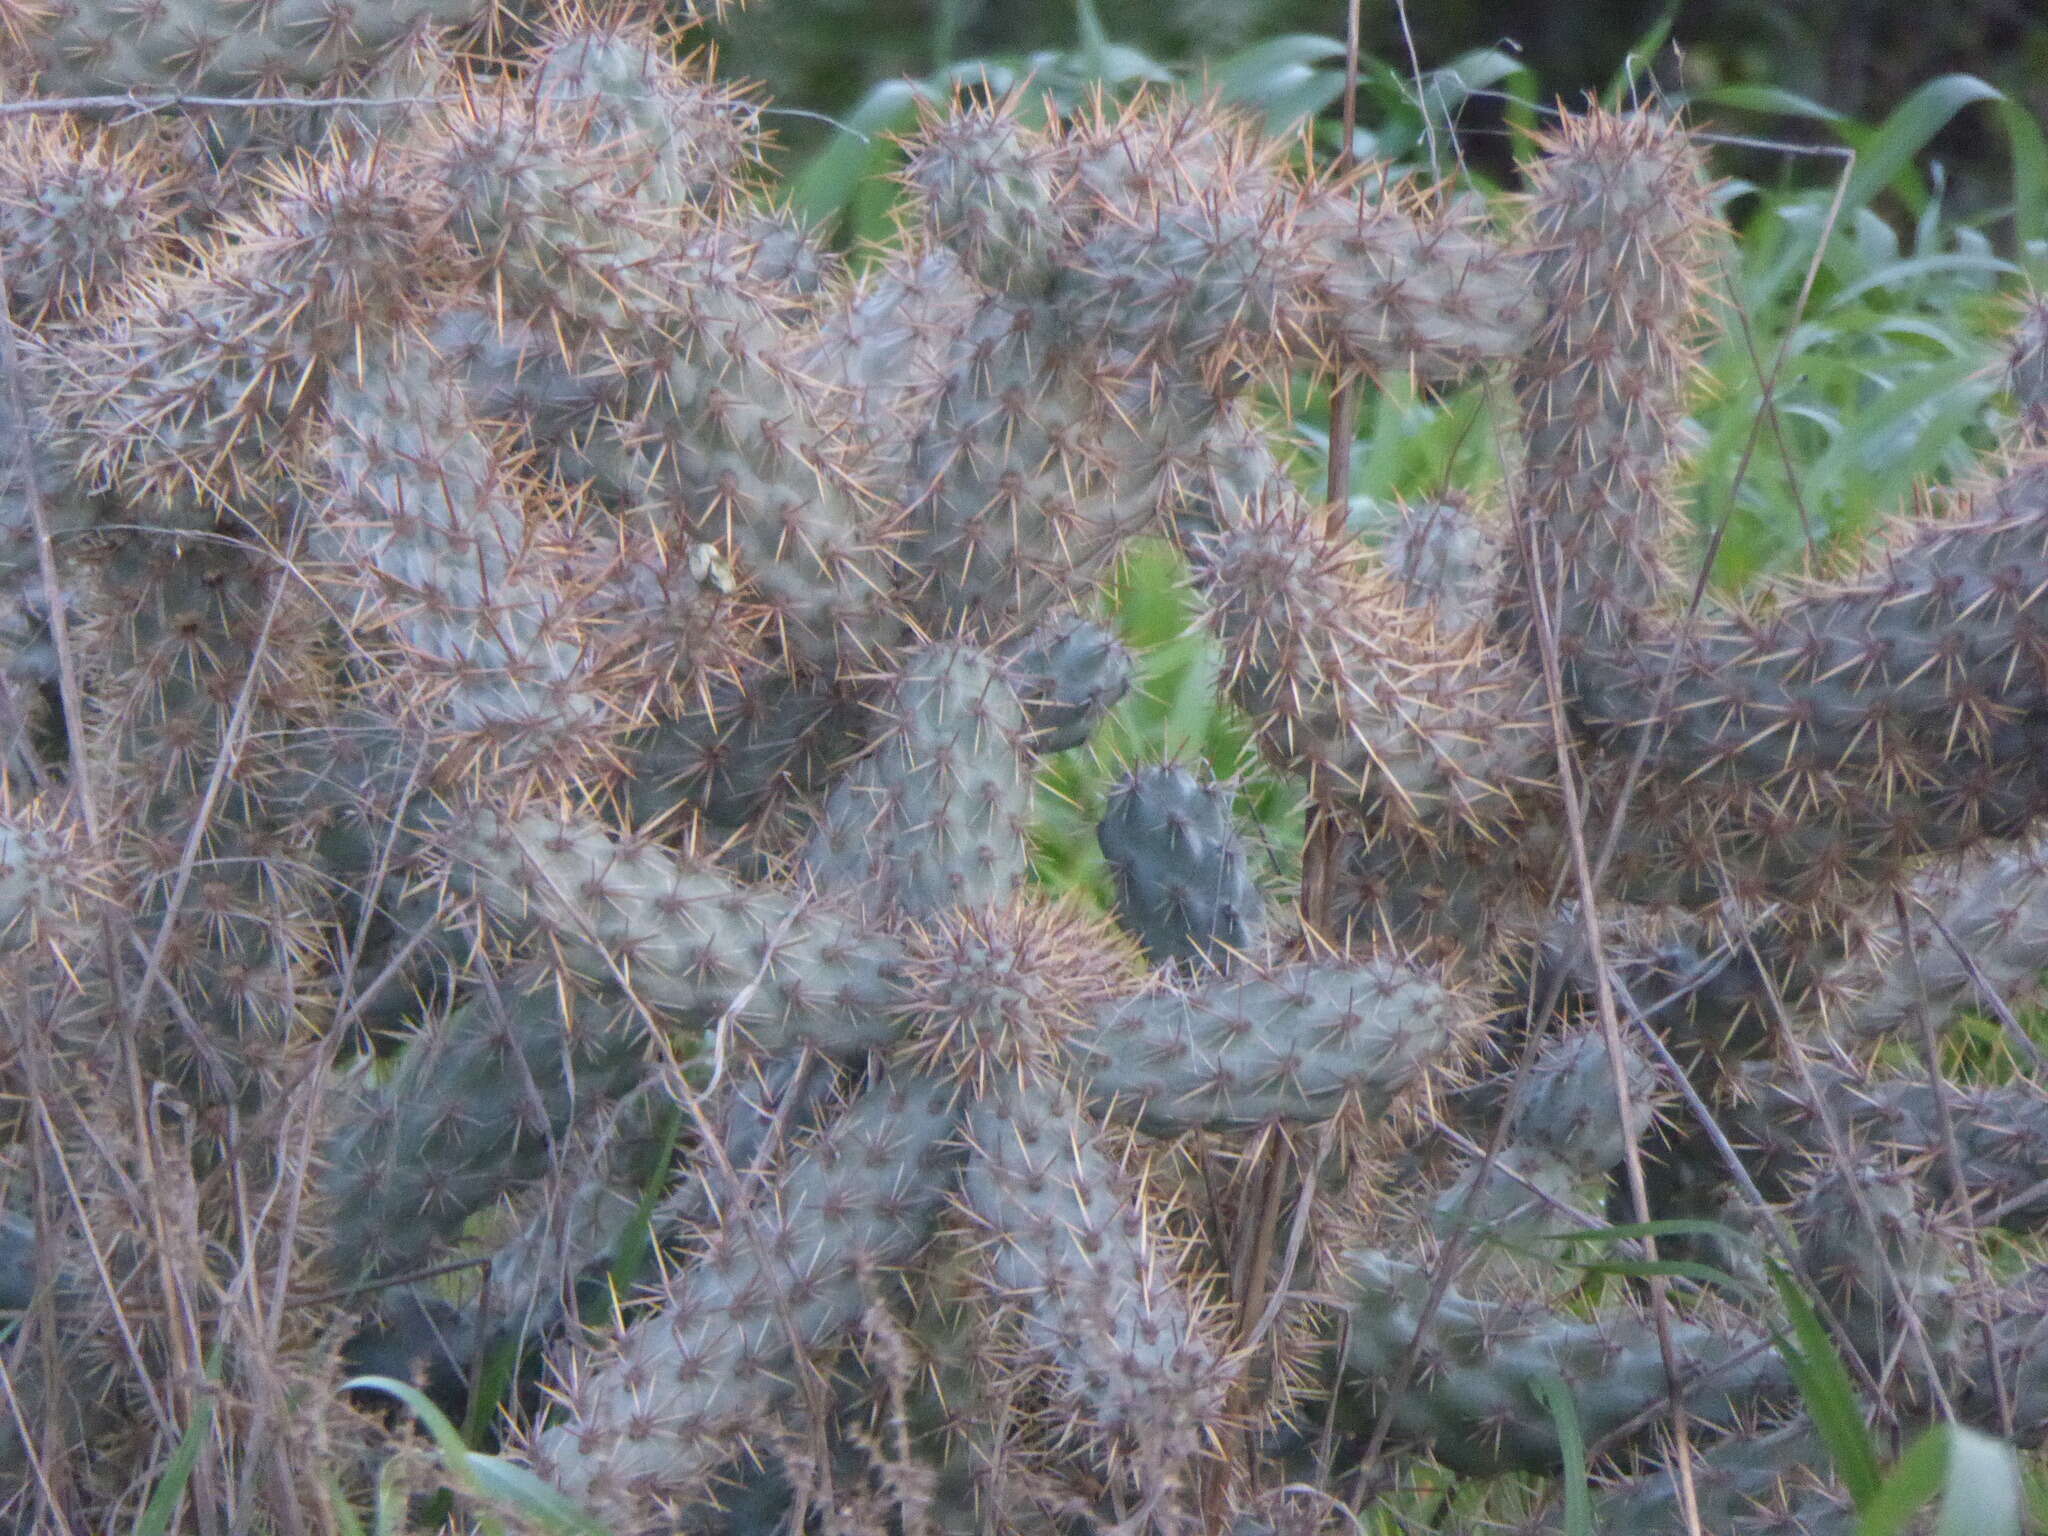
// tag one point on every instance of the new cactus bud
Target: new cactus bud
(1070, 673)
(1184, 887)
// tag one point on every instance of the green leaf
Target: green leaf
(1976, 1477)
(825, 188)
(164, 1499)
(1571, 1442)
(1643, 51)
(1889, 153)
(1280, 77)
(1828, 1392)
(489, 1479)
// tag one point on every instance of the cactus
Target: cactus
(1474, 1399)
(1182, 884)
(1067, 1239)
(933, 818)
(538, 685)
(683, 937)
(475, 1111)
(2002, 1133)
(778, 1281)
(1298, 1043)
(1565, 1136)
(1070, 674)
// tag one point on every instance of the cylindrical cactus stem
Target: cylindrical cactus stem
(1618, 227)
(1354, 690)
(749, 741)
(682, 937)
(192, 399)
(1301, 1043)
(1993, 909)
(35, 469)
(782, 1277)
(934, 817)
(597, 218)
(478, 1107)
(1567, 1135)
(511, 374)
(1391, 281)
(2001, 1134)
(1070, 672)
(997, 196)
(212, 669)
(1069, 414)
(1475, 1399)
(886, 347)
(1761, 1483)
(1184, 888)
(1073, 1252)
(1880, 1260)
(2026, 375)
(216, 48)
(1898, 710)
(438, 549)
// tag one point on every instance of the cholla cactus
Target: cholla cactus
(509, 650)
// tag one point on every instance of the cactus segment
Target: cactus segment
(79, 213)
(1446, 562)
(1395, 285)
(216, 47)
(1474, 1401)
(1071, 1250)
(1874, 1257)
(2001, 1133)
(1184, 889)
(477, 1108)
(732, 756)
(1354, 690)
(934, 817)
(784, 1274)
(683, 938)
(1995, 909)
(1069, 673)
(1299, 1043)
(441, 552)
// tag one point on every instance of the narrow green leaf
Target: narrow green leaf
(490, 1479)
(1828, 1392)
(164, 1499)
(1641, 53)
(823, 189)
(1906, 1490)
(1571, 1442)
(1890, 151)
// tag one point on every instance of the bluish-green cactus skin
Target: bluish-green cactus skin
(1185, 887)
